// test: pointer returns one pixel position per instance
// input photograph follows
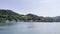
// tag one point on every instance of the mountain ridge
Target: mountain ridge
(11, 15)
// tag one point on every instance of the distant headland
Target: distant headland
(12, 16)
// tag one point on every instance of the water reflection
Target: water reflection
(30, 25)
(1, 29)
(30, 28)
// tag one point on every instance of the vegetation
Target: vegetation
(10, 15)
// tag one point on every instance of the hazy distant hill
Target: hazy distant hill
(57, 18)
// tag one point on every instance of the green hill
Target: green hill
(8, 15)
(11, 15)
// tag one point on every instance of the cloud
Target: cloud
(39, 7)
(44, 1)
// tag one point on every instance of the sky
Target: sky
(38, 7)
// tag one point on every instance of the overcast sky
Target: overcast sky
(38, 7)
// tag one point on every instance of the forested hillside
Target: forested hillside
(11, 15)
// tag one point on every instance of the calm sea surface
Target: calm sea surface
(31, 28)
